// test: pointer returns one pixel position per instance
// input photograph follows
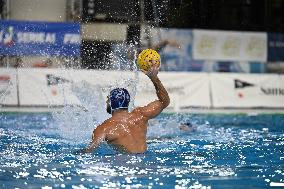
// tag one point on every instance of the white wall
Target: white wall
(38, 10)
(104, 31)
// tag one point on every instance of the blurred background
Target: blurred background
(191, 35)
(218, 57)
(216, 54)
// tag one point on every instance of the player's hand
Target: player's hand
(153, 70)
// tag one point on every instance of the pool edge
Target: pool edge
(167, 111)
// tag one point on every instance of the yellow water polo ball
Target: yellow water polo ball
(147, 56)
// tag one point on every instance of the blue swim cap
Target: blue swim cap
(119, 99)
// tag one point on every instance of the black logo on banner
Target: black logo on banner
(273, 91)
(6, 36)
(239, 84)
(242, 84)
(55, 80)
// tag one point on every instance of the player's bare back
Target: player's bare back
(126, 131)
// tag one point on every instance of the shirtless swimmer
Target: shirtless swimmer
(126, 131)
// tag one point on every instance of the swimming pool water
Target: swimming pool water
(225, 151)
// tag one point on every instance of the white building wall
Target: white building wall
(104, 31)
(38, 10)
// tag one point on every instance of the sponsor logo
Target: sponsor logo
(70, 38)
(271, 91)
(5, 83)
(55, 80)
(36, 37)
(5, 78)
(242, 84)
(6, 36)
(171, 89)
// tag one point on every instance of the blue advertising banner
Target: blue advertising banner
(39, 38)
(275, 47)
(177, 53)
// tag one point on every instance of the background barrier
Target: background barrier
(55, 87)
(39, 38)
(185, 89)
(8, 87)
(247, 90)
(225, 45)
(44, 87)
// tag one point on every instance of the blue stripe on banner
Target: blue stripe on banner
(275, 47)
(39, 38)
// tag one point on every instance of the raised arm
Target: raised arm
(156, 107)
(159, 46)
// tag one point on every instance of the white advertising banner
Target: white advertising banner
(185, 90)
(8, 87)
(88, 88)
(229, 46)
(247, 90)
(57, 87)
(91, 87)
(44, 87)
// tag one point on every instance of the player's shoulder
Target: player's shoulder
(140, 111)
(104, 125)
(137, 110)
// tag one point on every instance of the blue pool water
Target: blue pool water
(225, 151)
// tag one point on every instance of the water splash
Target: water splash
(76, 123)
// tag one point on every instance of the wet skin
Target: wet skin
(126, 131)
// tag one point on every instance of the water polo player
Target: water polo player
(126, 131)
